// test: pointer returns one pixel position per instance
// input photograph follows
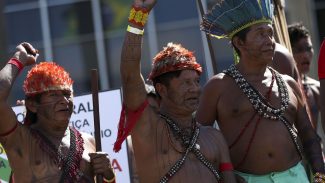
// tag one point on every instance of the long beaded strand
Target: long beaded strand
(191, 146)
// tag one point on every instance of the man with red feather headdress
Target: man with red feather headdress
(45, 148)
(169, 145)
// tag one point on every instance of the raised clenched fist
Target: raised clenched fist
(149, 4)
(26, 54)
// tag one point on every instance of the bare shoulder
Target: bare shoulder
(283, 61)
(216, 81)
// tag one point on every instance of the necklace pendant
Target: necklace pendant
(197, 146)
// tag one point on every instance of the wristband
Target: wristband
(17, 63)
(225, 167)
(321, 62)
(138, 16)
(135, 30)
(112, 180)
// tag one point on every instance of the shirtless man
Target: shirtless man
(44, 148)
(258, 109)
(169, 145)
(303, 53)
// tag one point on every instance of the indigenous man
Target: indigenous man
(169, 145)
(303, 53)
(44, 148)
(258, 110)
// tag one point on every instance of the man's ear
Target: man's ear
(237, 42)
(161, 90)
(31, 105)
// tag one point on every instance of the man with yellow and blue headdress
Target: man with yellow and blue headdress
(260, 111)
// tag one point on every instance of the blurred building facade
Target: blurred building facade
(85, 34)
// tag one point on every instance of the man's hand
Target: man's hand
(149, 4)
(101, 164)
(26, 54)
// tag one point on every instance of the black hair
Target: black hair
(31, 117)
(242, 36)
(166, 78)
(297, 31)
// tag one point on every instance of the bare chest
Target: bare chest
(40, 165)
(169, 152)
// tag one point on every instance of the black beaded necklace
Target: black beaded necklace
(261, 105)
(257, 100)
(190, 145)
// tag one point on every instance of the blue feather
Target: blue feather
(227, 17)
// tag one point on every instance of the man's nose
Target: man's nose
(195, 87)
(64, 99)
(270, 40)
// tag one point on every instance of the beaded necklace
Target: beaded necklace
(257, 100)
(267, 96)
(69, 164)
(183, 136)
(261, 105)
(190, 145)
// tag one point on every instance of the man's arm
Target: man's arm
(134, 93)
(307, 134)
(207, 112)
(8, 74)
(225, 166)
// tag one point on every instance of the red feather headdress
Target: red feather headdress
(46, 76)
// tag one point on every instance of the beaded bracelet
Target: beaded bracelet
(138, 16)
(319, 177)
(17, 63)
(135, 30)
(112, 180)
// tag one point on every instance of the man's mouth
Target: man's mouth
(305, 63)
(192, 99)
(63, 110)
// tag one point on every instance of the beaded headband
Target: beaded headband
(173, 57)
(46, 76)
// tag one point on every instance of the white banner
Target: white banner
(82, 119)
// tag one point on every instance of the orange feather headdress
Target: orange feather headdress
(46, 76)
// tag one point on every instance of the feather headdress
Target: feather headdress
(229, 17)
(172, 58)
(47, 76)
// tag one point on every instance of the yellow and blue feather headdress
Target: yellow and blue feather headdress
(228, 17)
